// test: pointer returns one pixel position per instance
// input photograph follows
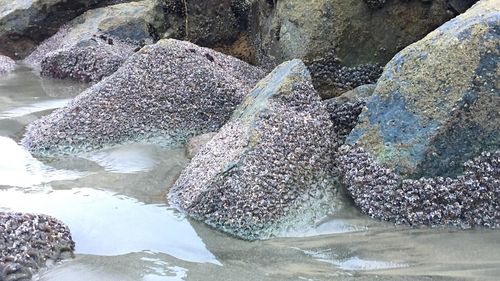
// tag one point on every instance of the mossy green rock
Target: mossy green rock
(437, 102)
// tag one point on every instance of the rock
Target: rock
(326, 34)
(24, 24)
(218, 24)
(166, 92)
(195, 144)
(6, 65)
(29, 241)
(345, 109)
(436, 104)
(269, 167)
(469, 200)
(95, 44)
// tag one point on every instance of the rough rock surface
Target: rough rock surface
(268, 168)
(6, 65)
(471, 199)
(166, 92)
(326, 35)
(95, 44)
(218, 24)
(24, 24)
(344, 110)
(195, 144)
(436, 104)
(28, 242)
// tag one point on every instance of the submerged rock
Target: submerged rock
(95, 44)
(6, 65)
(166, 92)
(28, 242)
(269, 167)
(436, 104)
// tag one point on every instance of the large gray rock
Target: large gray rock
(166, 92)
(342, 41)
(436, 104)
(24, 24)
(28, 242)
(95, 44)
(269, 167)
(6, 65)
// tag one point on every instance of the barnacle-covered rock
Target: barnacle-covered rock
(344, 110)
(95, 44)
(436, 104)
(269, 167)
(28, 242)
(469, 200)
(6, 65)
(24, 24)
(166, 92)
(195, 144)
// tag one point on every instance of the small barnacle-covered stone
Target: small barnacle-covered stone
(28, 241)
(166, 92)
(95, 44)
(270, 166)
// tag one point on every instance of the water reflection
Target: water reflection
(104, 223)
(18, 168)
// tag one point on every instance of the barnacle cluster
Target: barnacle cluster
(89, 61)
(6, 64)
(166, 92)
(28, 241)
(331, 78)
(472, 199)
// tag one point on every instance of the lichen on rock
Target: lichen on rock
(269, 167)
(436, 104)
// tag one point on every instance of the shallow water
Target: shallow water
(114, 202)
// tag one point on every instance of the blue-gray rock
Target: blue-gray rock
(437, 103)
(270, 167)
(165, 93)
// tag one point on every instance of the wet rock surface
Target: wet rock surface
(95, 44)
(28, 242)
(6, 65)
(436, 104)
(165, 93)
(268, 168)
(469, 200)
